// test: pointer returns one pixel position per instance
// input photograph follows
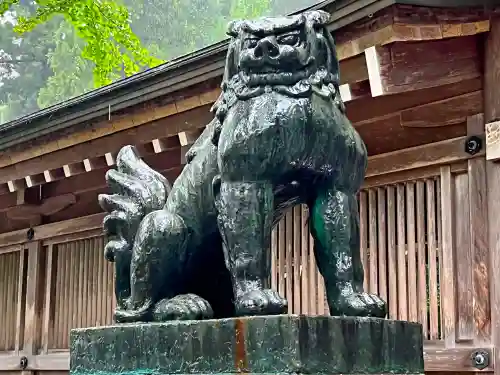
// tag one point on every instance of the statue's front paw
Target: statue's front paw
(261, 302)
(182, 307)
(360, 304)
(123, 315)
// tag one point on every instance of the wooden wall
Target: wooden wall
(420, 237)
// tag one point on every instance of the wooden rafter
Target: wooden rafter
(384, 121)
(409, 23)
(401, 67)
(389, 26)
(393, 92)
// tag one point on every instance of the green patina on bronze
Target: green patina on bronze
(200, 249)
(268, 345)
(280, 137)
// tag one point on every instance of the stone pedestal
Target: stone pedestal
(256, 345)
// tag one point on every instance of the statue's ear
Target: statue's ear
(231, 67)
(233, 28)
(317, 17)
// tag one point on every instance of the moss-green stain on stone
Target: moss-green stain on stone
(272, 345)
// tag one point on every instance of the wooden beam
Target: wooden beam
(438, 153)
(374, 63)
(352, 40)
(354, 91)
(94, 163)
(43, 362)
(434, 154)
(452, 360)
(369, 108)
(188, 138)
(110, 158)
(352, 70)
(436, 359)
(73, 168)
(401, 67)
(96, 179)
(54, 174)
(164, 144)
(170, 126)
(131, 118)
(61, 228)
(372, 109)
(16, 184)
(385, 134)
(444, 112)
(42, 156)
(411, 175)
(46, 207)
(410, 23)
(492, 114)
(4, 188)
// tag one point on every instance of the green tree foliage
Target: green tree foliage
(104, 25)
(53, 50)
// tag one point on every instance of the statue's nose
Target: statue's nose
(267, 47)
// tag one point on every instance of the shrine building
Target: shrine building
(421, 83)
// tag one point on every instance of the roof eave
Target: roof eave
(184, 71)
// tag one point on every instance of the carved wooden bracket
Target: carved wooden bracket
(48, 207)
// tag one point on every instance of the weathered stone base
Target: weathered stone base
(258, 345)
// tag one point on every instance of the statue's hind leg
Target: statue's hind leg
(335, 229)
(158, 256)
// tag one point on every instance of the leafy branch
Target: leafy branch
(104, 26)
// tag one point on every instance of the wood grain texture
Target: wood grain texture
(381, 133)
(448, 151)
(400, 67)
(479, 246)
(34, 293)
(462, 232)
(444, 112)
(447, 260)
(492, 113)
(436, 360)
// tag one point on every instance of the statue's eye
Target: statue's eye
(289, 39)
(250, 43)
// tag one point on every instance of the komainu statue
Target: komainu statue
(201, 248)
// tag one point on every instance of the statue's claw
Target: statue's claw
(182, 307)
(261, 302)
(133, 316)
(360, 304)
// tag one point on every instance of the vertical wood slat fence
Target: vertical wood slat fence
(9, 283)
(400, 248)
(84, 284)
(400, 237)
(403, 245)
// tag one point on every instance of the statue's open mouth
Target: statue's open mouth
(272, 75)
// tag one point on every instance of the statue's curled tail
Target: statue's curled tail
(136, 191)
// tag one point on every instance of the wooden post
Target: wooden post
(47, 300)
(492, 114)
(20, 318)
(34, 288)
